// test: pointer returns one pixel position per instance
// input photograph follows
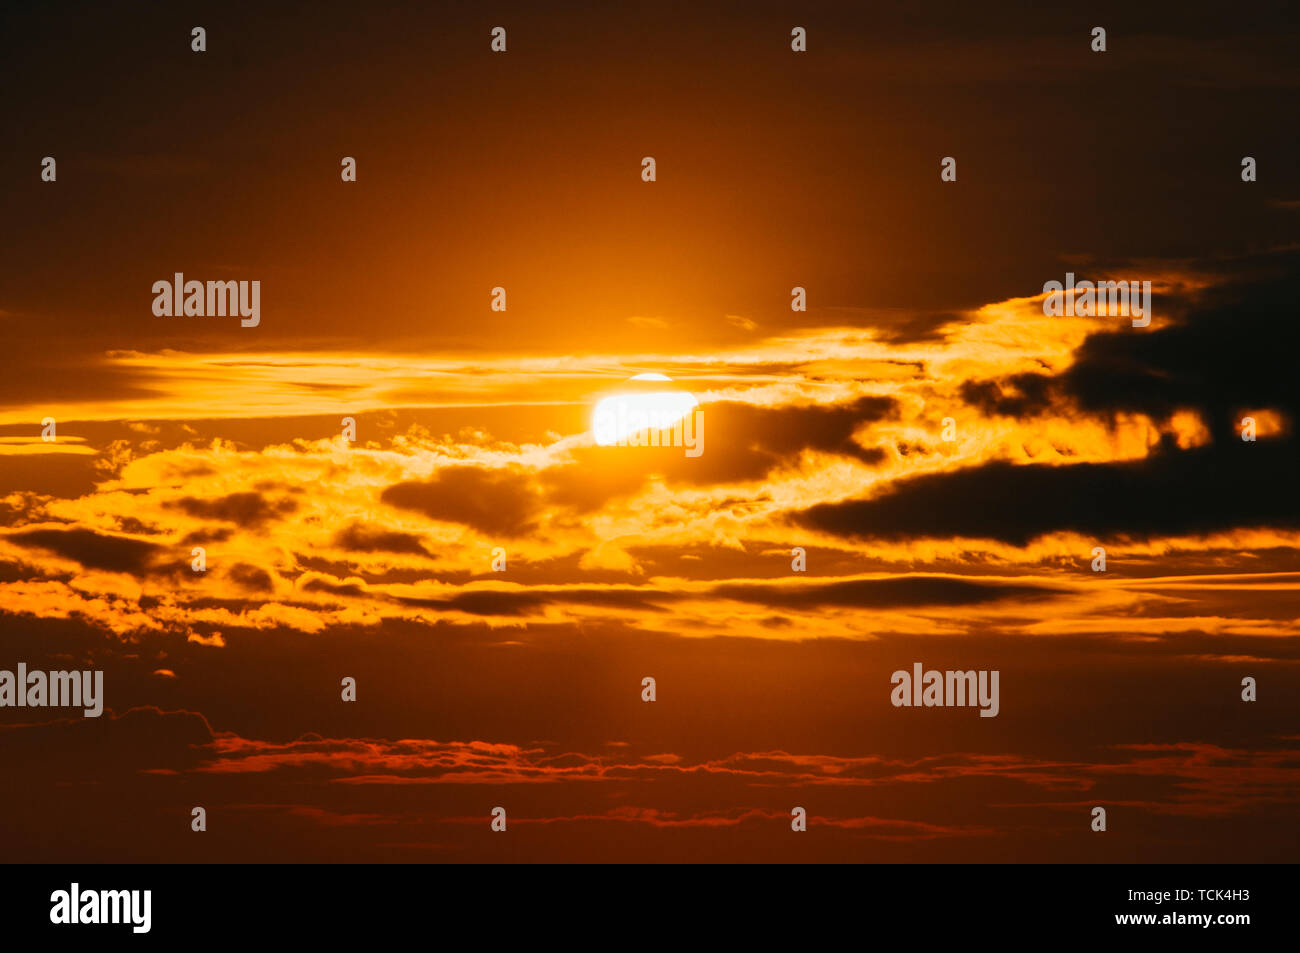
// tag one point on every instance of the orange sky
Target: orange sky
(824, 430)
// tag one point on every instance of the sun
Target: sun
(640, 404)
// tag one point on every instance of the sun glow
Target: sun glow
(632, 410)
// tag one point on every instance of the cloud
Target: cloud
(1225, 351)
(1173, 492)
(876, 593)
(247, 509)
(359, 538)
(95, 550)
(142, 738)
(495, 502)
(251, 577)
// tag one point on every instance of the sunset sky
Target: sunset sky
(823, 429)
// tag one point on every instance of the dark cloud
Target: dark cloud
(251, 577)
(746, 442)
(883, 593)
(1234, 351)
(359, 538)
(864, 593)
(200, 536)
(907, 326)
(1019, 395)
(343, 568)
(495, 502)
(333, 588)
(248, 509)
(112, 744)
(1230, 350)
(129, 524)
(512, 602)
(94, 550)
(1172, 492)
